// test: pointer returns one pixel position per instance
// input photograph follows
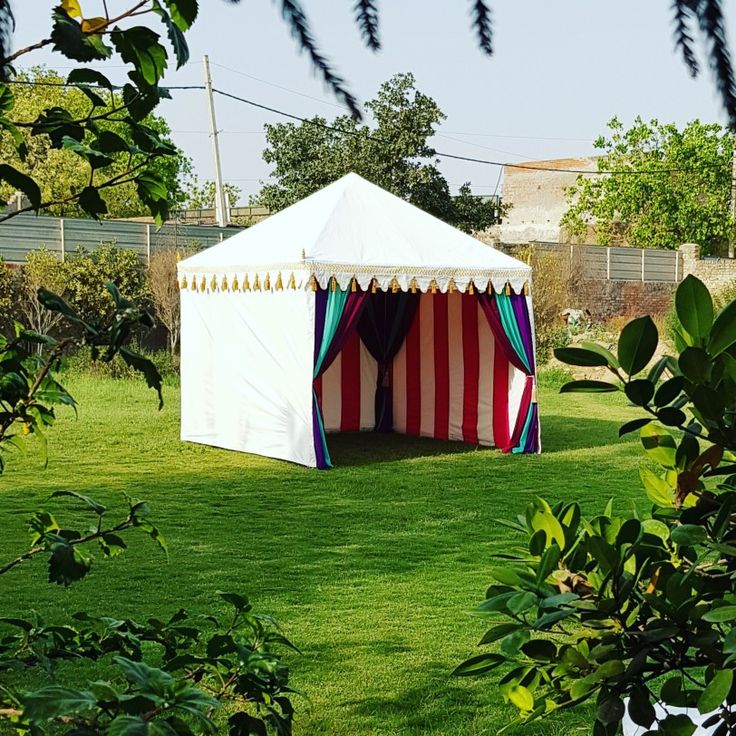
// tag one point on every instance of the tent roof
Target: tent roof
(353, 228)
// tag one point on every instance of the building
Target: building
(537, 198)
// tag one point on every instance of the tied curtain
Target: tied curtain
(382, 328)
(336, 315)
(508, 316)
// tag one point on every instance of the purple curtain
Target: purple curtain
(514, 318)
(336, 316)
(382, 327)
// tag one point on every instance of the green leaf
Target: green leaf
(478, 665)
(183, 12)
(176, 37)
(72, 42)
(694, 307)
(639, 391)
(669, 391)
(636, 345)
(140, 46)
(548, 522)
(21, 181)
(498, 632)
(540, 649)
(723, 333)
(153, 193)
(671, 417)
(709, 403)
(580, 356)
(688, 535)
(147, 368)
(633, 425)
(53, 701)
(695, 364)
(548, 563)
(641, 710)
(240, 602)
(677, 725)
(603, 352)
(521, 697)
(7, 99)
(720, 614)
(92, 203)
(98, 508)
(716, 691)
(85, 75)
(127, 725)
(660, 444)
(67, 563)
(588, 386)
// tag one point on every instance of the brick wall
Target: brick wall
(715, 273)
(606, 299)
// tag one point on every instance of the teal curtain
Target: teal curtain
(511, 328)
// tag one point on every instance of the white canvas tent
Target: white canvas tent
(275, 343)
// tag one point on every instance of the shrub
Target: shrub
(164, 291)
(89, 272)
(42, 270)
(553, 280)
(635, 612)
(81, 362)
(8, 297)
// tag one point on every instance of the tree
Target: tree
(58, 171)
(42, 270)
(202, 196)
(634, 611)
(164, 293)
(690, 204)
(394, 154)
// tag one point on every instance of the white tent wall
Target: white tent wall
(246, 372)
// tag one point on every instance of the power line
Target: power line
(441, 154)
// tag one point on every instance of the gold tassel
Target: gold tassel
(353, 285)
(333, 283)
(489, 287)
(374, 286)
(413, 286)
(183, 284)
(194, 283)
(433, 286)
(246, 283)
(203, 284)
(279, 283)
(508, 289)
(213, 283)
(394, 286)
(314, 283)
(267, 282)
(526, 288)
(223, 285)
(292, 282)
(256, 284)
(235, 283)
(451, 288)
(471, 288)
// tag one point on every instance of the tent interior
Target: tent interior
(440, 374)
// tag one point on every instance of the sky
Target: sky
(560, 70)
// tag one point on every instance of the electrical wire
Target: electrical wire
(441, 154)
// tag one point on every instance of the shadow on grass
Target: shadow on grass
(559, 433)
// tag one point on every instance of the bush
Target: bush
(42, 270)
(553, 284)
(635, 612)
(82, 363)
(89, 271)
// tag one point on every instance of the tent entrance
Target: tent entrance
(424, 365)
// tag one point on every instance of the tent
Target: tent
(354, 310)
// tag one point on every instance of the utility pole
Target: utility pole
(221, 209)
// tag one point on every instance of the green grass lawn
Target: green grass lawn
(370, 568)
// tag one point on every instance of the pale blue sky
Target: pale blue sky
(561, 69)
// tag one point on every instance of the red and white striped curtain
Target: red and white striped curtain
(449, 381)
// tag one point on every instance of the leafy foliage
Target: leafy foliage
(690, 205)
(394, 153)
(635, 613)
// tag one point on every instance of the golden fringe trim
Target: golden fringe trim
(183, 284)
(246, 283)
(353, 285)
(292, 281)
(256, 284)
(313, 283)
(203, 284)
(471, 288)
(267, 282)
(374, 286)
(413, 286)
(433, 287)
(279, 283)
(333, 284)
(451, 287)
(235, 283)
(223, 284)
(394, 286)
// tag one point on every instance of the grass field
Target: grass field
(370, 568)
